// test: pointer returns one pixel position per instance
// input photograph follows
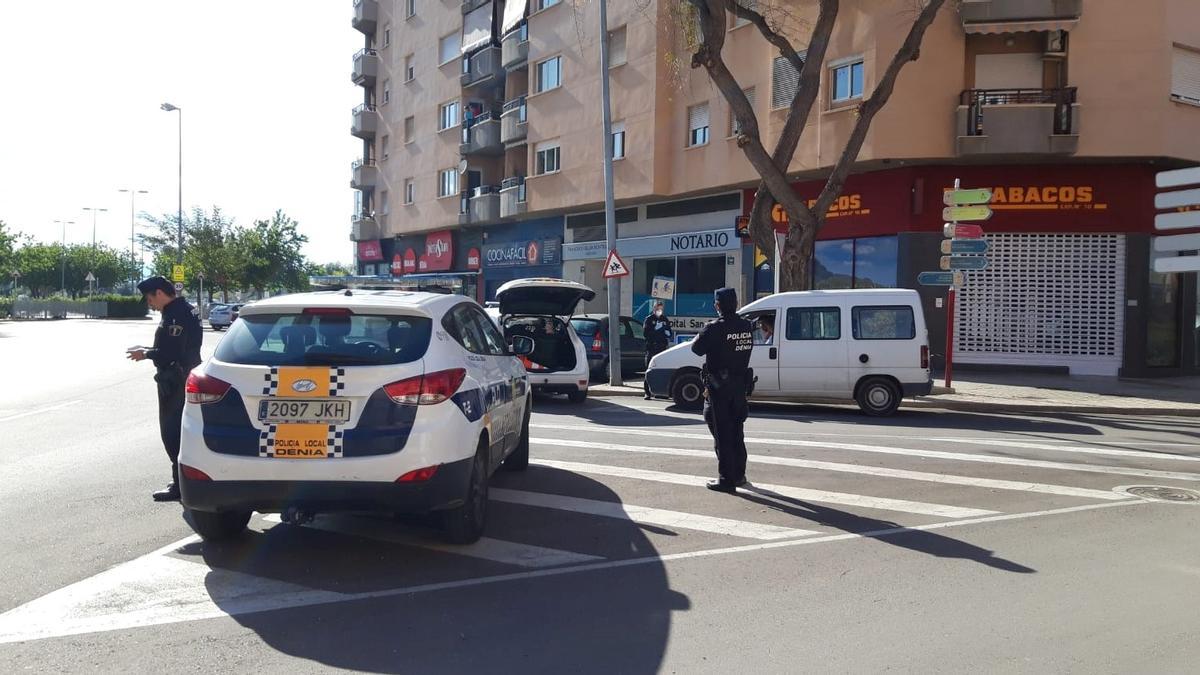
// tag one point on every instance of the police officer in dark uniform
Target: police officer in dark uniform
(725, 345)
(657, 329)
(175, 352)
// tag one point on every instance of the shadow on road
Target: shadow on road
(921, 541)
(921, 419)
(599, 411)
(411, 609)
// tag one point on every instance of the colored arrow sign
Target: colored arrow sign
(959, 213)
(965, 197)
(1177, 221)
(1183, 263)
(963, 262)
(940, 278)
(1165, 179)
(1177, 242)
(964, 246)
(1171, 200)
(962, 231)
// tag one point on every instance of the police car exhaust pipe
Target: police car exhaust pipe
(296, 516)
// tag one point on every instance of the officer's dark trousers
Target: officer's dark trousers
(726, 417)
(170, 413)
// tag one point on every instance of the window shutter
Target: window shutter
(698, 116)
(734, 127)
(448, 48)
(784, 80)
(1185, 75)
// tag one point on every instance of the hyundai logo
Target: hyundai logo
(303, 386)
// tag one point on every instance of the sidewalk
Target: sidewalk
(1033, 393)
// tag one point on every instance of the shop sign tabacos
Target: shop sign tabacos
(1045, 198)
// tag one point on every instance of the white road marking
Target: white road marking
(647, 515)
(824, 496)
(995, 484)
(39, 411)
(1080, 449)
(496, 550)
(161, 586)
(910, 452)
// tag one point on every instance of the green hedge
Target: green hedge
(124, 306)
(5, 308)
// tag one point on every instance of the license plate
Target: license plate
(305, 411)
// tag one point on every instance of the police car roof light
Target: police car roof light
(427, 389)
(203, 389)
(328, 311)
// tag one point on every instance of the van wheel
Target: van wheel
(878, 396)
(518, 460)
(217, 526)
(464, 524)
(688, 391)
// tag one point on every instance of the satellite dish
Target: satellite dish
(462, 166)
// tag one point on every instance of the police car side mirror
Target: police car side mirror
(522, 345)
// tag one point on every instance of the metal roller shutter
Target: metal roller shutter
(1185, 75)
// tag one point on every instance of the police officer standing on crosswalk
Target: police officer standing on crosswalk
(725, 345)
(175, 352)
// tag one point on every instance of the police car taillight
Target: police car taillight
(427, 389)
(203, 389)
(418, 475)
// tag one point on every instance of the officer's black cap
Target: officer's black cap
(152, 284)
(726, 300)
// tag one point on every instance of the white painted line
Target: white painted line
(495, 550)
(930, 454)
(1079, 449)
(824, 496)
(39, 411)
(648, 516)
(57, 614)
(989, 483)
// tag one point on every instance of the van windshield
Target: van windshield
(325, 340)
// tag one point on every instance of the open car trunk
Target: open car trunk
(553, 350)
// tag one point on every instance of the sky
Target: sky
(265, 92)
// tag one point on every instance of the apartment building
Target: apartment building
(482, 161)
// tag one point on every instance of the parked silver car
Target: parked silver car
(221, 317)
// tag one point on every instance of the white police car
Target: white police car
(354, 401)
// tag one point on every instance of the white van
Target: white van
(869, 346)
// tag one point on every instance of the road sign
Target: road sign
(962, 231)
(177, 274)
(1177, 242)
(614, 266)
(1183, 263)
(958, 262)
(940, 278)
(200, 276)
(964, 246)
(1173, 200)
(663, 289)
(90, 277)
(1177, 221)
(961, 213)
(178, 286)
(1178, 177)
(965, 197)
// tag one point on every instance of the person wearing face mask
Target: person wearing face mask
(657, 328)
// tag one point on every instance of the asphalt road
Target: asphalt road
(929, 542)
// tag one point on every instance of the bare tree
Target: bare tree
(711, 19)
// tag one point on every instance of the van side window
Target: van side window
(883, 323)
(814, 323)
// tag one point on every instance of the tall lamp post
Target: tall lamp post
(174, 108)
(132, 197)
(95, 210)
(64, 224)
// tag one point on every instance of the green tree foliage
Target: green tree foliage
(45, 267)
(271, 257)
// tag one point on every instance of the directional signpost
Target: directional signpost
(1180, 210)
(951, 246)
(956, 231)
(940, 278)
(962, 262)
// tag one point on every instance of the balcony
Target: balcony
(512, 197)
(364, 174)
(364, 121)
(482, 66)
(363, 227)
(469, 6)
(1018, 121)
(513, 127)
(481, 206)
(366, 16)
(1023, 11)
(483, 136)
(514, 49)
(366, 68)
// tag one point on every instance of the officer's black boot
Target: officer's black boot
(168, 494)
(721, 486)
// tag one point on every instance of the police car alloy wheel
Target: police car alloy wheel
(464, 524)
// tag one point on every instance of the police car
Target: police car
(354, 401)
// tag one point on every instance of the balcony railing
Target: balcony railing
(977, 100)
(363, 227)
(364, 174)
(485, 204)
(481, 135)
(515, 48)
(512, 197)
(366, 68)
(512, 121)
(1018, 121)
(469, 6)
(366, 16)
(364, 121)
(481, 66)
(992, 11)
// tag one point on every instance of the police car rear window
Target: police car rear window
(325, 340)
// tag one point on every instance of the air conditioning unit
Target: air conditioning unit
(1056, 43)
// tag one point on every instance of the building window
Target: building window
(410, 191)
(383, 202)
(410, 129)
(548, 158)
(549, 74)
(1185, 75)
(616, 47)
(698, 125)
(387, 36)
(846, 78)
(410, 8)
(410, 69)
(448, 115)
(383, 146)
(734, 127)
(695, 279)
(448, 48)
(539, 5)
(387, 91)
(447, 182)
(618, 140)
(784, 80)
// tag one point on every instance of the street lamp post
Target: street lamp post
(94, 210)
(132, 254)
(174, 108)
(64, 224)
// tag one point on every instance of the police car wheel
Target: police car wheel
(464, 524)
(878, 397)
(577, 396)
(518, 460)
(218, 526)
(688, 391)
